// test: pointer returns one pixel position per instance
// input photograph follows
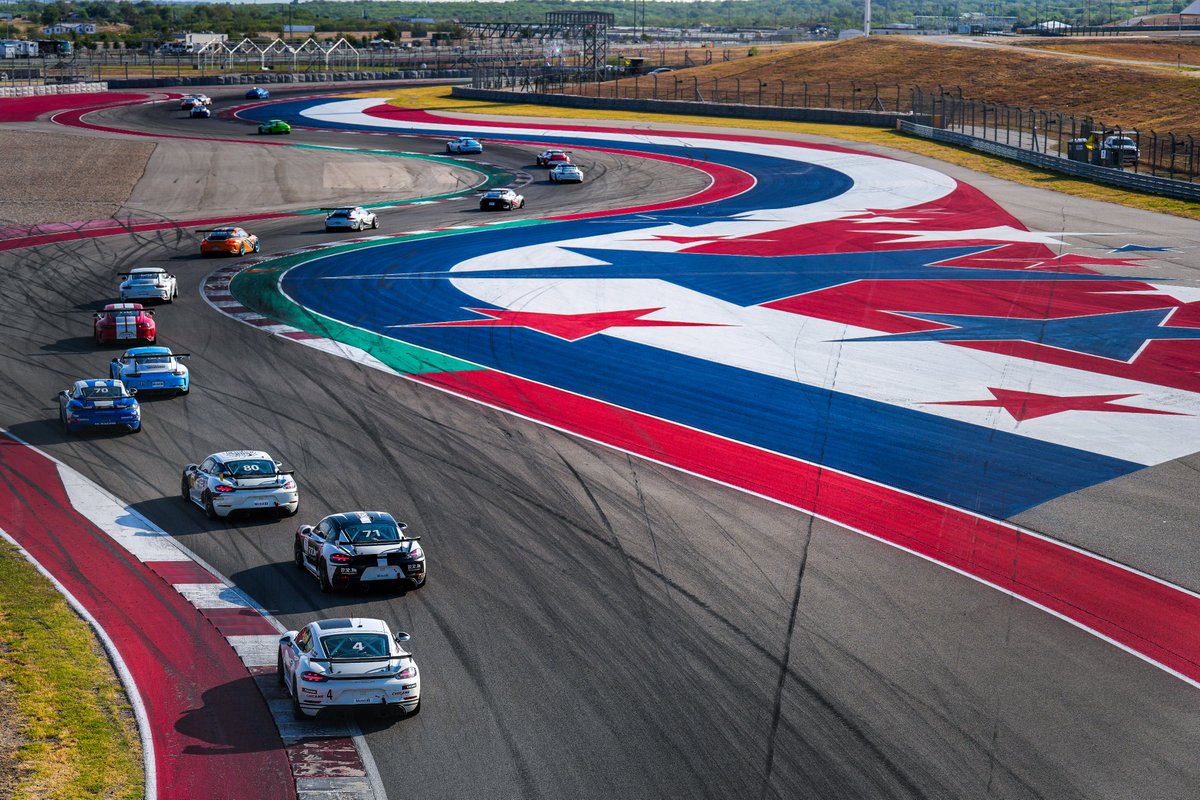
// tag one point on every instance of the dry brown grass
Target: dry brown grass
(1131, 96)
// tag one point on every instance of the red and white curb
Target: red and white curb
(329, 760)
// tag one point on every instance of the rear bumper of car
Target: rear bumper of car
(105, 419)
(156, 382)
(345, 225)
(146, 294)
(367, 572)
(315, 698)
(495, 206)
(247, 500)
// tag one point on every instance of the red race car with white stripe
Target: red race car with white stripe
(124, 322)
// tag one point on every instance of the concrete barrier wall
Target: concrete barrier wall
(874, 119)
(57, 88)
(917, 125)
(1112, 176)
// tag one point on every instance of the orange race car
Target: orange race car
(229, 239)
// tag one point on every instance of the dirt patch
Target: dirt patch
(1131, 96)
(53, 177)
(11, 726)
(1183, 53)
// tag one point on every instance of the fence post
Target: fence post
(781, 91)
(761, 84)
(828, 95)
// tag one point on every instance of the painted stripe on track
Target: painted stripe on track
(196, 654)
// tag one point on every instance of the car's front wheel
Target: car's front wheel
(298, 553)
(185, 489)
(279, 668)
(374, 223)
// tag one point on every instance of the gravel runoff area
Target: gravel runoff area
(54, 177)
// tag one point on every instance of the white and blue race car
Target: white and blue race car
(240, 480)
(152, 369)
(147, 283)
(99, 402)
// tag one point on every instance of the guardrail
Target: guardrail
(1149, 184)
(62, 88)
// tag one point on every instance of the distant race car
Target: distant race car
(550, 158)
(505, 199)
(229, 239)
(464, 145)
(152, 369)
(147, 283)
(354, 218)
(123, 322)
(340, 663)
(200, 112)
(190, 101)
(99, 402)
(240, 480)
(566, 173)
(257, 93)
(275, 126)
(359, 548)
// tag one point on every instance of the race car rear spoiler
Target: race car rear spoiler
(148, 356)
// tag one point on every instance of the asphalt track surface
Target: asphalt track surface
(595, 625)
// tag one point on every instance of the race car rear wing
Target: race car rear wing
(148, 356)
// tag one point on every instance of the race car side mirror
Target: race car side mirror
(401, 637)
(132, 392)
(115, 360)
(287, 637)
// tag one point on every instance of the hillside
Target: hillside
(1132, 96)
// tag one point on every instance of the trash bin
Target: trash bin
(1077, 149)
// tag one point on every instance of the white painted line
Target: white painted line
(255, 650)
(213, 595)
(133, 532)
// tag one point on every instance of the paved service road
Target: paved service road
(597, 625)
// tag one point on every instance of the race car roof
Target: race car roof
(241, 455)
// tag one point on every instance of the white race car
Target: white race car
(354, 218)
(464, 145)
(189, 101)
(240, 480)
(359, 548)
(148, 283)
(347, 663)
(566, 173)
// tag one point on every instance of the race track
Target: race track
(598, 624)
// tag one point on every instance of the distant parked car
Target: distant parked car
(1122, 150)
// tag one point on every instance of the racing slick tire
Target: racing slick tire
(241, 249)
(290, 513)
(297, 711)
(323, 577)
(416, 710)
(521, 203)
(185, 491)
(210, 510)
(279, 669)
(185, 390)
(135, 428)
(298, 554)
(375, 223)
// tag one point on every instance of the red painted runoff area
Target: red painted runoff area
(27, 109)
(1158, 621)
(212, 731)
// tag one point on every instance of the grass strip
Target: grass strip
(76, 732)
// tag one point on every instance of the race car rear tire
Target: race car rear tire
(323, 576)
(292, 511)
(210, 510)
(135, 428)
(416, 710)
(521, 204)
(185, 389)
(297, 711)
